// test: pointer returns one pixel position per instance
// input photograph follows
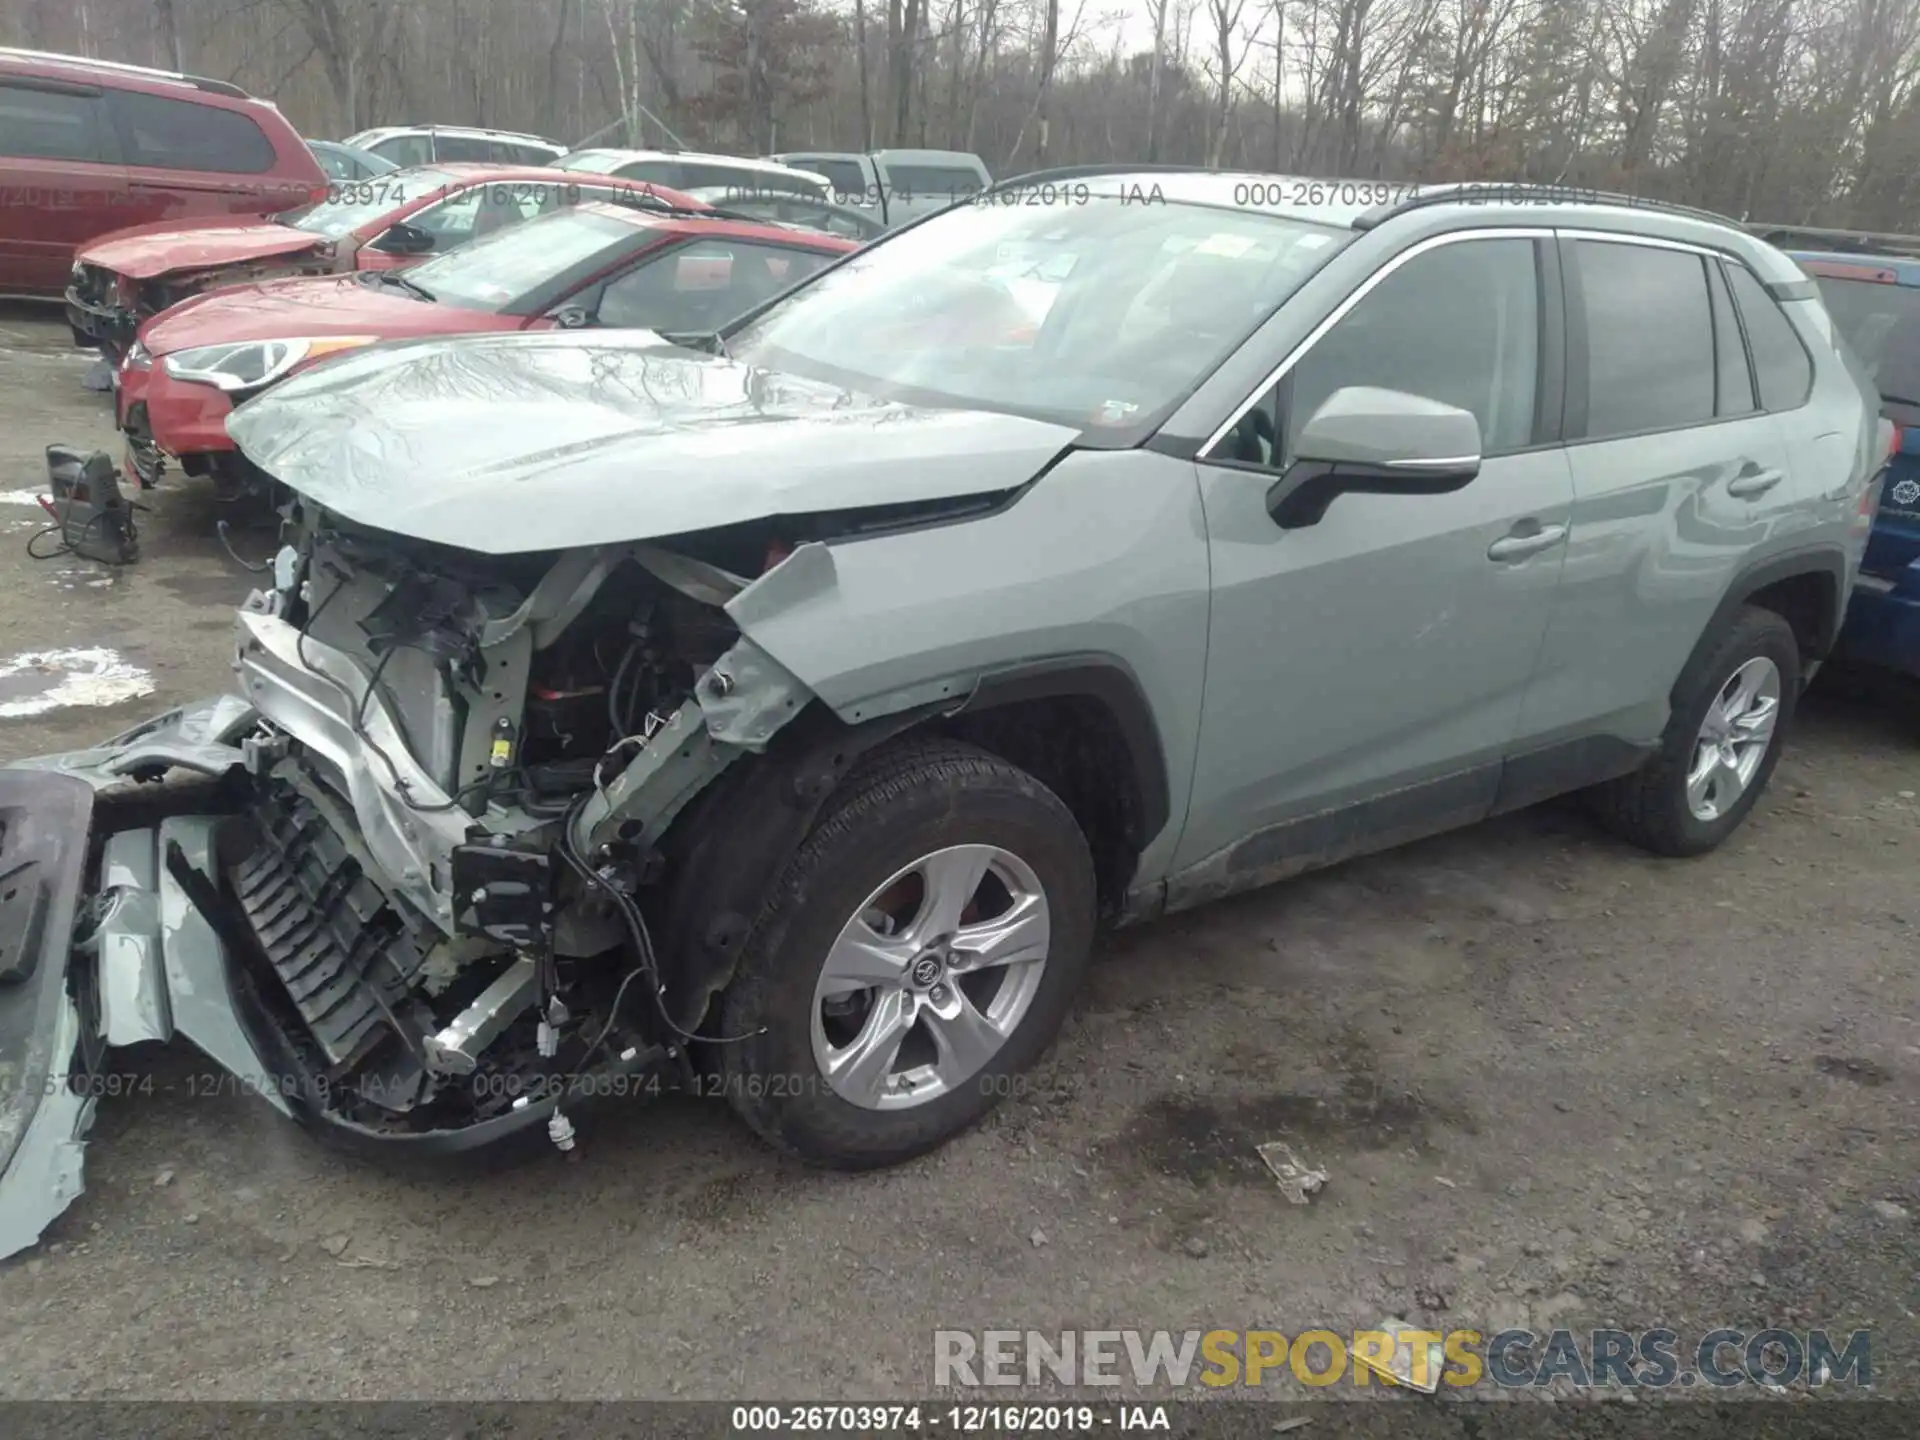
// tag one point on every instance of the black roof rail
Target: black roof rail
(217, 87)
(1493, 192)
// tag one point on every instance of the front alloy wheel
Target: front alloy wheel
(920, 948)
(930, 976)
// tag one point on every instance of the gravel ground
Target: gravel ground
(1553, 1080)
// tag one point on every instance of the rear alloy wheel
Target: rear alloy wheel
(1734, 739)
(921, 947)
(1731, 710)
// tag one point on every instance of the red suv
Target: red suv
(87, 146)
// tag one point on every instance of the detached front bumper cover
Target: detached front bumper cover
(147, 967)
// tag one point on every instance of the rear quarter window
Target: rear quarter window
(182, 135)
(1781, 365)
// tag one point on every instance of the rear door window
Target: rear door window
(405, 149)
(1650, 348)
(38, 124)
(182, 135)
(462, 148)
(1780, 361)
(512, 152)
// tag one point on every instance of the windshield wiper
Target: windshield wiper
(394, 277)
(1899, 400)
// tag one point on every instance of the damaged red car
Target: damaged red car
(678, 272)
(121, 279)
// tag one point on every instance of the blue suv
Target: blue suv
(1872, 290)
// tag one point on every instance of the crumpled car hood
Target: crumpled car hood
(145, 253)
(512, 443)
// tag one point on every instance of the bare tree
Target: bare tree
(1225, 15)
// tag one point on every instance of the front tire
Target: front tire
(920, 949)
(1731, 711)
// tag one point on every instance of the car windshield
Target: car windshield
(1102, 315)
(353, 203)
(1882, 323)
(492, 273)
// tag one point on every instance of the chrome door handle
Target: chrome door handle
(1518, 547)
(1750, 483)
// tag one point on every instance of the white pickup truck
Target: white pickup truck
(894, 185)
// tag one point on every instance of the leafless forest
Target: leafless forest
(1803, 111)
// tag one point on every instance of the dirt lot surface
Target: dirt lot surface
(1554, 1081)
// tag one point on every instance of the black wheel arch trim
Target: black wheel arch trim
(1826, 561)
(734, 840)
(1111, 681)
(740, 832)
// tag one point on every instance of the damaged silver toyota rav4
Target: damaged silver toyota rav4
(786, 708)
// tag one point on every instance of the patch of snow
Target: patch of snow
(90, 676)
(22, 497)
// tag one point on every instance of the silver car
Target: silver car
(784, 711)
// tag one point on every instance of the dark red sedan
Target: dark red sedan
(380, 223)
(676, 272)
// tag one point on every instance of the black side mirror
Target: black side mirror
(1381, 442)
(401, 238)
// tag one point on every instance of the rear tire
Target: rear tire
(862, 897)
(1684, 800)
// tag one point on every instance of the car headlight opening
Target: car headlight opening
(249, 364)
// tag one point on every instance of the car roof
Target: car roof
(740, 162)
(387, 132)
(132, 77)
(930, 157)
(1897, 269)
(507, 170)
(1363, 205)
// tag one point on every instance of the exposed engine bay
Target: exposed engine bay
(410, 899)
(517, 755)
(466, 771)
